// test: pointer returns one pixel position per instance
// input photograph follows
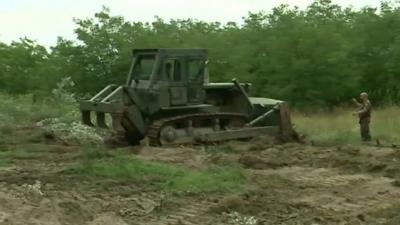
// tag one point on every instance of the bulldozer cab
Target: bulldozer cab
(176, 73)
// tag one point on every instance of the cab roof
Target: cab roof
(171, 51)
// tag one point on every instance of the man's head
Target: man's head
(364, 96)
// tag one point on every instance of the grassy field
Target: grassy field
(341, 127)
(337, 127)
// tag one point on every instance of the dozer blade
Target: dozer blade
(287, 131)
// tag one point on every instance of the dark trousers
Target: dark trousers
(364, 128)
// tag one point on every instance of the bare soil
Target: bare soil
(287, 184)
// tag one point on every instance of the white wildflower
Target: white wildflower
(34, 188)
(71, 131)
(236, 219)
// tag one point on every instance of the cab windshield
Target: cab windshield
(143, 67)
(196, 70)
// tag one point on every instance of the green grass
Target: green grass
(17, 113)
(220, 179)
(7, 156)
(168, 177)
(21, 110)
(340, 127)
(4, 162)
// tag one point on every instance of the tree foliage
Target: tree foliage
(322, 55)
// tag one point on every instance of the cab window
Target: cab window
(195, 70)
(172, 70)
(143, 67)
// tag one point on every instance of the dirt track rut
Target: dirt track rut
(190, 214)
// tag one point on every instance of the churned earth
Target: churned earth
(282, 184)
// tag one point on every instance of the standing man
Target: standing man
(364, 115)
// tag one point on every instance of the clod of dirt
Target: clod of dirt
(376, 167)
(229, 203)
(3, 217)
(143, 206)
(115, 141)
(234, 146)
(391, 171)
(361, 217)
(396, 183)
(48, 135)
(72, 210)
(107, 219)
(254, 162)
(262, 142)
(221, 158)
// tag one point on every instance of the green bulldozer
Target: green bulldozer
(169, 99)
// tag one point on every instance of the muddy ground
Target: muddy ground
(286, 184)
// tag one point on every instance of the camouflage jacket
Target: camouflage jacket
(365, 111)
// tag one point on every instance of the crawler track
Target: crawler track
(225, 121)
